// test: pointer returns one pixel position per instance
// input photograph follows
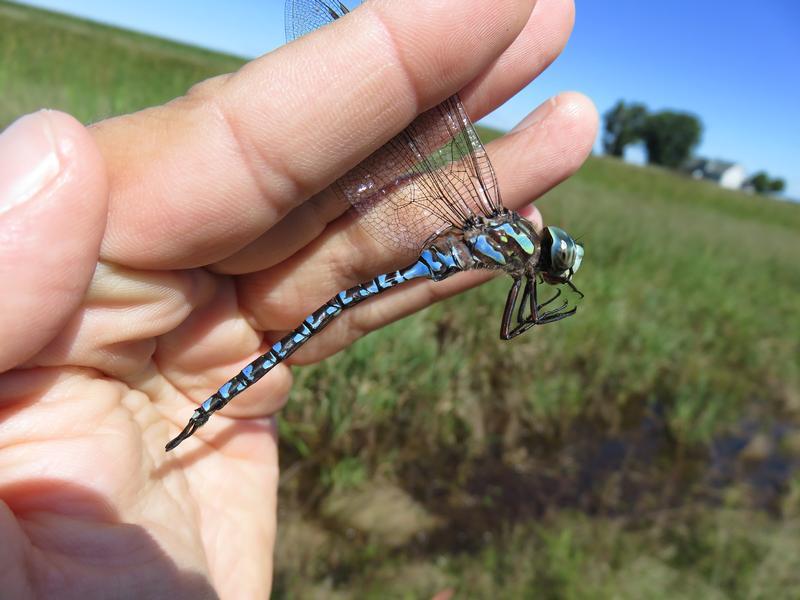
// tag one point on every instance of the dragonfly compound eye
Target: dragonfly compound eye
(578, 257)
(563, 252)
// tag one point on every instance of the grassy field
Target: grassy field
(648, 447)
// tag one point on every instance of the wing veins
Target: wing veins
(431, 176)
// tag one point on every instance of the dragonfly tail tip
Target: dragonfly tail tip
(190, 428)
(172, 444)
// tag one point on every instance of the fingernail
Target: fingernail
(538, 115)
(28, 160)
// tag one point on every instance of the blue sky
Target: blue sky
(735, 64)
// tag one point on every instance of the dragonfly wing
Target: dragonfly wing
(304, 16)
(432, 176)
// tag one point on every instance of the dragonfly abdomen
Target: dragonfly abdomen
(434, 263)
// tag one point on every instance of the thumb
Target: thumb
(53, 203)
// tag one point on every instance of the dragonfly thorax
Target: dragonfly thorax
(506, 241)
(511, 243)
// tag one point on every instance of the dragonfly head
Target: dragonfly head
(561, 256)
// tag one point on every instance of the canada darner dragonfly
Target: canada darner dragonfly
(430, 187)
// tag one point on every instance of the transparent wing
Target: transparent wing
(432, 176)
(304, 16)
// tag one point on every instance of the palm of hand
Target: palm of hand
(209, 249)
(97, 498)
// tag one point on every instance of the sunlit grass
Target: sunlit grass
(49, 61)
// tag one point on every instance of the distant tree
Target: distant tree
(764, 184)
(623, 126)
(777, 185)
(670, 137)
(760, 182)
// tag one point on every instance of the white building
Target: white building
(726, 174)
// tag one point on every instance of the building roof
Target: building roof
(709, 168)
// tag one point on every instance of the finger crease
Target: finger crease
(405, 71)
(262, 170)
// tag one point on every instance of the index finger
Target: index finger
(199, 178)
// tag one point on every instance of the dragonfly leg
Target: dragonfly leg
(537, 317)
(529, 295)
(508, 312)
(556, 316)
(526, 297)
(550, 301)
(552, 315)
(523, 323)
(549, 313)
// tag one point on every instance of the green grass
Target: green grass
(707, 555)
(51, 61)
(648, 447)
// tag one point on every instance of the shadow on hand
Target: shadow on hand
(63, 540)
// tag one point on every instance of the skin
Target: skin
(173, 244)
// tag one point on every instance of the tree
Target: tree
(623, 126)
(764, 184)
(777, 185)
(760, 182)
(670, 137)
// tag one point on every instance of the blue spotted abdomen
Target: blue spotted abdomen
(431, 265)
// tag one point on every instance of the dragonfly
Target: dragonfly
(430, 189)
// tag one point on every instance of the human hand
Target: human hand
(218, 238)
